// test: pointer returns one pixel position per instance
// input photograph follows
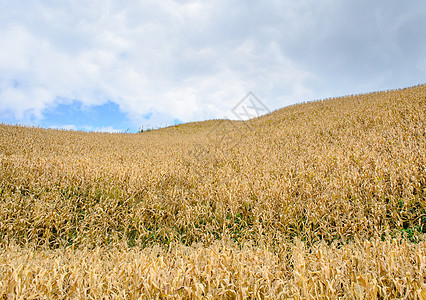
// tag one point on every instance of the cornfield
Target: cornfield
(322, 200)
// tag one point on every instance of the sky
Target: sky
(114, 66)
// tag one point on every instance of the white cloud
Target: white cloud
(193, 60)
(108, 129)
(65, 127)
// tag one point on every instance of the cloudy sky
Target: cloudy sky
(108, 65)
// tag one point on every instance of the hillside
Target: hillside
(322, 199)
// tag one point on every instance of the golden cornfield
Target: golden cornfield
(321, 200)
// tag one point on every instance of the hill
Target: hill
(322, 199)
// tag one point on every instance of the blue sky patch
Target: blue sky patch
(97, 118)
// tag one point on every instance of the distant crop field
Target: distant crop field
(321, 200)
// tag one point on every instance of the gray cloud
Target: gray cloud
(364, 43)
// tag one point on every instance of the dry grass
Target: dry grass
(361, 270)
(323, 200)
